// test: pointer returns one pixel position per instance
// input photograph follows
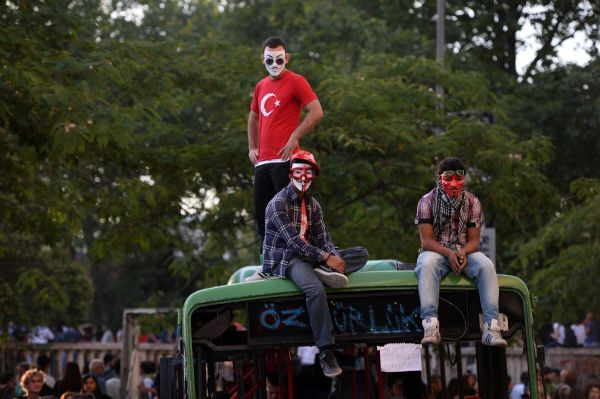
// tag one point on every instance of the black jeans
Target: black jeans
(269, 179)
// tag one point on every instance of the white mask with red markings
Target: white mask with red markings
(453, 182)
(301, 175)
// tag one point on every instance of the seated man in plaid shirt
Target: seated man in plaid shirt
(297, 246)
(449, 219)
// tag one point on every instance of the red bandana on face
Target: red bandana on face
(453, 186)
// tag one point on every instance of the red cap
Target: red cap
(305, 156)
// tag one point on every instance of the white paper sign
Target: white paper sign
(400, 357)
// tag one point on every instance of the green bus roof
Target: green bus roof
(377, 275)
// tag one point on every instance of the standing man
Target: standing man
(274, 127)
(449, 219)
(297, 246)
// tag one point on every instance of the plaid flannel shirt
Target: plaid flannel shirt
(425, 216)
(282, 240)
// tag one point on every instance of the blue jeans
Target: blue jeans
(302, 274)
(432, 267)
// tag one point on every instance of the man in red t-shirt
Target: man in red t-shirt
(274, 126)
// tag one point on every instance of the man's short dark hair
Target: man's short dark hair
(451, 163)
(274, 41)
(43, 361)
(6, 377)
(108, 358)
(117, 366)
(393, 378)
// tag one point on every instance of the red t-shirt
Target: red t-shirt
(279, 103)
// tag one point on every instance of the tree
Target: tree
(104, 139)
(562, 105)
(125, 141)
(384, 134)
(561, 261)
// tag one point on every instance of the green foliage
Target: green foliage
(562, 259)
(563, 105)
(124, 141)
(48, 290)
(383, 136)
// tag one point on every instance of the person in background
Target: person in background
(509, 386)
(569, 378)
(71, 379)
(395, 386)
(521, 388)
(579, 331)
(274, 389)
(436, 387)
(592, 391)
(70, 394)
(43, 363)
(86, 332)
(89, 384)
(558, 333)
(32, 382)
(113, 385)
(8, 383)
(550, 379)
(41, 335)
(107, 335)
(146, 386)
(109, 372)
(591, 331)
(469, 385)
(96, 368)
(21, 369)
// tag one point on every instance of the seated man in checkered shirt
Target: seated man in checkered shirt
(449, 219)
(297, 246)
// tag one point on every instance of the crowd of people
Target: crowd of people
(86, 332)
(310, 383)
(99, 379)
(41, 334)
(581, 333)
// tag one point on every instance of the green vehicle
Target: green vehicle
(249, 330)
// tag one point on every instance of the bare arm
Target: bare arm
(313, 116)
(470, 246)
(429, 243)
(253, 137)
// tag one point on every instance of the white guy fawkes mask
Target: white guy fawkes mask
(274, 61)
(302, 175)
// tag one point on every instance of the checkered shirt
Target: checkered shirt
(282, 240)
(425, 216)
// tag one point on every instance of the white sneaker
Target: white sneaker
(257, 276)
(432, 331)
(491, 334)
(331, 277)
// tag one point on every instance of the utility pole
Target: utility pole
(440, 40)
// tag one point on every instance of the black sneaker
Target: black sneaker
(330, 277)
(329, 364)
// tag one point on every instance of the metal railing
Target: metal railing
(585, 361)
(79, 352)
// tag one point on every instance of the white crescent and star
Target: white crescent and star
(264, 101)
